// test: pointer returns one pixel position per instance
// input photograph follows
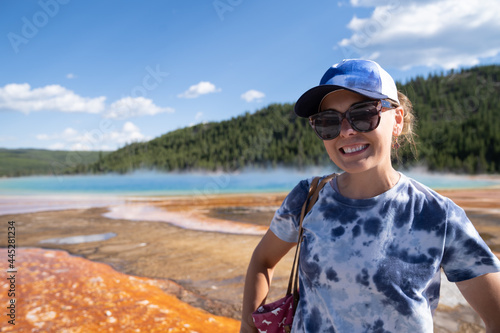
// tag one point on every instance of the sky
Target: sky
(97, 75)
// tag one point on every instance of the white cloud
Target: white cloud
(71, 139)
(70, 76)
(20, 97)
(42, 137)
(129, 133)
(440, 33)
(252, 95)
(60, 146)
(69, 133)
(202, 88)
(130, 107)
(198, 116)
(79, 146)
(130, 127)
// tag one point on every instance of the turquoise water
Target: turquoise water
(153, 183)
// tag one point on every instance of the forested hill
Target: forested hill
(28, 162)
(272, 136)
(458, 130)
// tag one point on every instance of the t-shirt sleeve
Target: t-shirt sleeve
(466, 255)
(285, 223)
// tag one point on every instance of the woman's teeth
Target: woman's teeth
(350, 150)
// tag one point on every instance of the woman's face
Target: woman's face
(356, 152)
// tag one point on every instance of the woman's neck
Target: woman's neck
(367, 184)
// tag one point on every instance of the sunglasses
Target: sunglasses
(363, 117)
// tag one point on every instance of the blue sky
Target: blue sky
(96, 75)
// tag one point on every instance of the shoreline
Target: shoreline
(476, 198)
(209, 266)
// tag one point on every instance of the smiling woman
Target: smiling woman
(374, 244)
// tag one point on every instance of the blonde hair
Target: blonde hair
(407, 136)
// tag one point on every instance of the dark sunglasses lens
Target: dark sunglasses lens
(327, 126)
(364, 119)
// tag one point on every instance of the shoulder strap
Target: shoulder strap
(312, 197)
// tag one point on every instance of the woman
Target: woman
(375, 241)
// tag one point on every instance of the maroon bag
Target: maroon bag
(277, 317)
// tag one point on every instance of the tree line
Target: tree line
(28, 162)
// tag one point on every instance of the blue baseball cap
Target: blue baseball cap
(364, 77)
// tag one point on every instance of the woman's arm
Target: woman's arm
(483, 294)
(259, 275)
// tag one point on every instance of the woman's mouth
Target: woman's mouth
(353, 149)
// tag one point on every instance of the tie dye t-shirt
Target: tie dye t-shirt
(373, 265)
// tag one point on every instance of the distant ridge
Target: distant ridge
(458, 119)
(26, 162)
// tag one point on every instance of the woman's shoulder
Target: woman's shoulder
(298, 194)
(421, 192)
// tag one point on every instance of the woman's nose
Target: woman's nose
(346, 128)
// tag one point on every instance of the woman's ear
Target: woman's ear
(399, 121)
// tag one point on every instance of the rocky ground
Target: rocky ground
(204, 269)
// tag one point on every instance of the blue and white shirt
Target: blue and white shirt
(373, 265)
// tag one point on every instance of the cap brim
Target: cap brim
(308, 103)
